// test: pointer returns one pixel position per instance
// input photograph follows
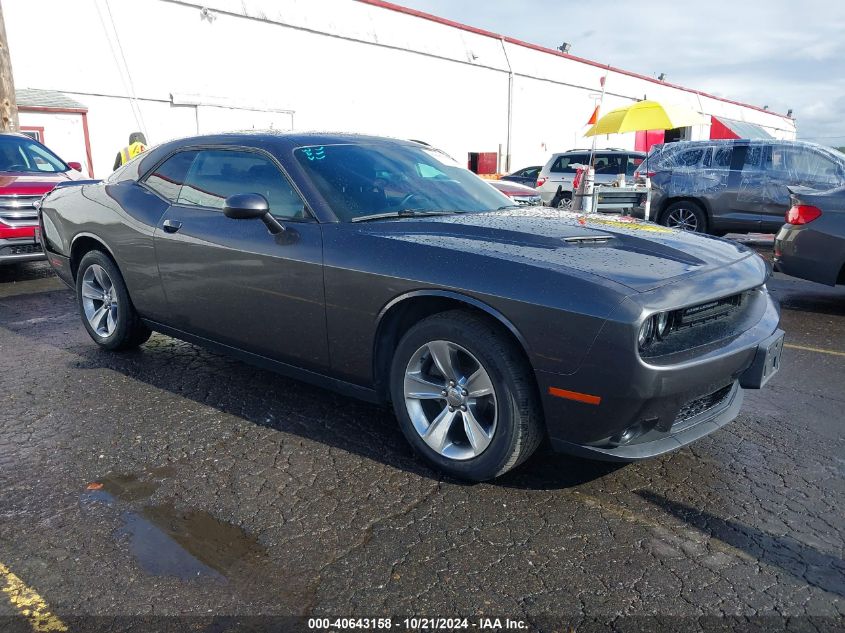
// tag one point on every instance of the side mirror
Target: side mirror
(251, 206)
(75, 165)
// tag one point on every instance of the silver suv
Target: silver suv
(608, 162)
(736, 185)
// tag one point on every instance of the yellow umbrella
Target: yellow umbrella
(646, 115)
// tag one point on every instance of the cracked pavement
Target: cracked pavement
(173, 481)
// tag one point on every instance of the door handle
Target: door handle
(171, 226)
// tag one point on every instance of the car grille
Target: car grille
(18, 210)
(700, 405)
(704, 312)
(20, 249)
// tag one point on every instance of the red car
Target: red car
(28, 170)
(522, 195)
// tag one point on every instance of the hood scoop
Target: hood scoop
(588, 240)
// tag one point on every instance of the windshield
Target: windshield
(837, 155)
(25, 155)
(360, 180)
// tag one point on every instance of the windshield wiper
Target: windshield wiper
(404, 213)
(509, 206)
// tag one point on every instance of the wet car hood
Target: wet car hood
(640, 255)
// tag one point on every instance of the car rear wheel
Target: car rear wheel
(107, 312)
(464, 396)
(686, 216)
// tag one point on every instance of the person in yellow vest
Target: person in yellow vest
(137, 144)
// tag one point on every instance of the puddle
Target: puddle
(165, 541)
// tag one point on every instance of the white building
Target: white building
(175, 68)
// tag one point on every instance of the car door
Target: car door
(528, 176)
(718, 184)
(753, 183)
(563, 170)
(608, 166)
(231, 280)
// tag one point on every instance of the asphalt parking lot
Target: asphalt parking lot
(172, 481)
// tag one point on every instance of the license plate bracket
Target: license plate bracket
(766, 362)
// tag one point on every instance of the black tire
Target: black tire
(680, 215)
(518, 422)
(129, 332)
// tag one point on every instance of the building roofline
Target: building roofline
(512, 40)
(52, 109)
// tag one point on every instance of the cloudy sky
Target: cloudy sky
(780, 53)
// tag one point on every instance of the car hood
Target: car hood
(27, 184)
(638, 254)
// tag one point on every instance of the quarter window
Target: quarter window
(167, 179)
(720, 158)
(217, 174)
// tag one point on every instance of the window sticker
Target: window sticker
(314, 153)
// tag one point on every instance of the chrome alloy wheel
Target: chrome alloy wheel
(99, 300)
(683, 219)
(450, 400)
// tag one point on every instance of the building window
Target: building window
(35, 133)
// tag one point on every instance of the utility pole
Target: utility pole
(8, 103)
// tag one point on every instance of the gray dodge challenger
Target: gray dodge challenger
(382, 269)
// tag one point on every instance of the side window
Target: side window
(753, 158)
(778, 159)
(689, 158)
(609, 164)
(167, 179)
(217, 174)
(564, 163)
(722, 157)
(718, 157)
(633, 163)
(811, 166)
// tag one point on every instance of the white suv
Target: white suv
(608, 163)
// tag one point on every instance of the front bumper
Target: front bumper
(641, 408)
(20, 249)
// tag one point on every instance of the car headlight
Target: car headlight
(646, 333)
(655, 326)
(661, 324)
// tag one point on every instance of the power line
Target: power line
(136, 110)
(126, 66)
(824, 137)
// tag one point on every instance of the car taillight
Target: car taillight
(802, 214)
(540, 182)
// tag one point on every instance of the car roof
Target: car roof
(599, 150)
(286, 139)
(739, 141)
(267, 140)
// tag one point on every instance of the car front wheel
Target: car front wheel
(686, 216)
(107, 312)
(464, 396)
